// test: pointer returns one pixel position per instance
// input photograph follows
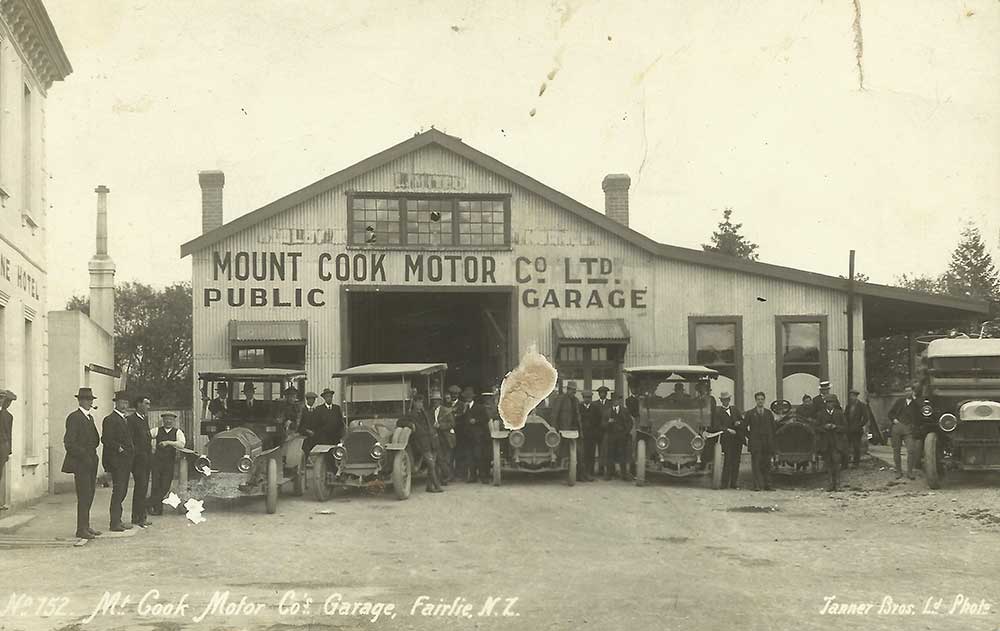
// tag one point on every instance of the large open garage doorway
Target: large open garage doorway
(473, 331)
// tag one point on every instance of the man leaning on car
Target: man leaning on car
(904, 420)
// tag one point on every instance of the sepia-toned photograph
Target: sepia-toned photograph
(499, 315)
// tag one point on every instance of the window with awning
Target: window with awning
(590, 352)
(274, 344)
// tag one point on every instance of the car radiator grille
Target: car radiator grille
(794, 438)
(534, 437)
(680, 440)
(358, 446)
(977, 431)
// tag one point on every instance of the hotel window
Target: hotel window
(589, 366)
(717, 342)
(27, 142)
(428, 221)
(28, 407)
(801, 356)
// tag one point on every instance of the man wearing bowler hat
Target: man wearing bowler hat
(142, 440)
(81, 441)
(307, 425)
(220, 404)
(592, 419)
(329, 420)
(117, 458)
(6, 432)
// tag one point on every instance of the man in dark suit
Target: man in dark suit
(463, 436)
(423, 437)
(329, 420)
(832, 437)
(904, 414)
(760, 434)
(733, 436)
(592, 420)
(308, 425)
(81, 441)
(858, 415)
(444, 424)
(219, 406)
(477, 427)
(142, 441)
(118, 455)
(618, 425)
(6, 432)
(566, 409)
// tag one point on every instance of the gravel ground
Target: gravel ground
(603, 555)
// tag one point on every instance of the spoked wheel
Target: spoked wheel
(572, 462)
(932, 464)
(640, 462)
(496, 462)
(321, 492)
(271, 501)
(401, 474)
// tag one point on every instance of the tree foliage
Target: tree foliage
(728, 240)
(971, 271)
(152, 339)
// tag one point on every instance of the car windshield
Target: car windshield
(381, 397)
(266, 395)
(665, 393)
(946, 365)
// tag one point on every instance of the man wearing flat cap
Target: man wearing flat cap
(423, 438)
(730, 421)
(81, 441)
(6, 432)
(858, 415)
(167, 439)
(329, 420)
(443, 423)
(119, 452)
(832, 437)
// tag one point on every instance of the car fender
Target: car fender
(570, 433)
(499, 433)
(321, 449)
(400, 439)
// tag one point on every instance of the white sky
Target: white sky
(749, 104)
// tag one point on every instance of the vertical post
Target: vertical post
(850, 324)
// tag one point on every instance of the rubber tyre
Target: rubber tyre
(271, 500)
(572, 462)
(931, 469)
(321, 492)
(640, 462)
(496, 462)
(717, 465)
(402, 475)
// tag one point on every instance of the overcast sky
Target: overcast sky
(753, 105)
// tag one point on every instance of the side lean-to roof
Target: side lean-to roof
(891, 298)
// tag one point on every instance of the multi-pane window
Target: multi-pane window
(715, 342)
(249, 356)
(375, 221)
(801, 356)
(590, 366)
(481, 222)
(427, 221)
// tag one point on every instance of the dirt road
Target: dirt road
(602, 555)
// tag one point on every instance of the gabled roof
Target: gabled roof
(599, 219)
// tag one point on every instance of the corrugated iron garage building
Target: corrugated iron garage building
(434, 251)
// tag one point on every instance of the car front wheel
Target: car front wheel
(932, 468)
(271, 501)
(321, 492)
(401, 474)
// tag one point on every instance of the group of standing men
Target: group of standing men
(606, 428)
(131, 452)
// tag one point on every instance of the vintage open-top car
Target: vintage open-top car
(795, 440)
(249, 451)
(374, 452)
(535, 448)
(673, 425)
(960, 411)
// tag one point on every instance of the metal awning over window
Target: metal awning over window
(581, 332)
(270, 333)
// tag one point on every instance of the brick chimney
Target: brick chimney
(211, 199)
(615, 187)
(102, 270)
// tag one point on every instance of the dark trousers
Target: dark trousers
(854, 448)
(731, 466)
(833, 459)
(616, 447)
(140, 488)
(444, 458)
(760, 465)
(591, 442)
(162, 475)
(463, 454)
(85, 481)
(481, 456)
(120, 476)
(901, 434)
(708, 453)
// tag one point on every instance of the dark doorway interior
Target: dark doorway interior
(469, 331)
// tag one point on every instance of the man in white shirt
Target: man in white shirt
(166, 440)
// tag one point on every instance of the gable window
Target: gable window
(428, 220)
(801, 356)
(717, 342)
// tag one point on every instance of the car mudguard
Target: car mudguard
(400, 439)
(321, 449)
(569, 433)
